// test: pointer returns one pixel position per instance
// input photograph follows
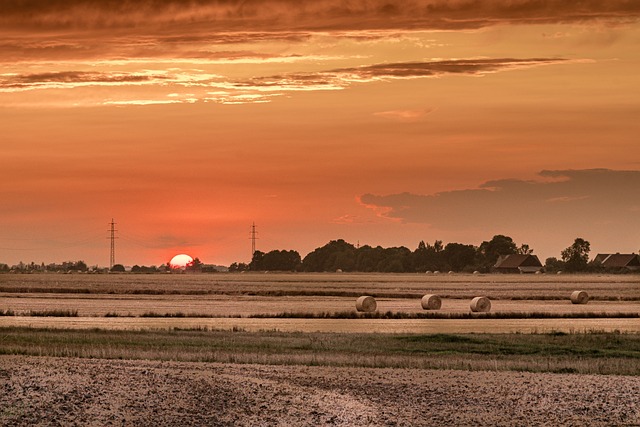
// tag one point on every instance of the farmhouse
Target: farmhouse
(618, 261)
(517, 263)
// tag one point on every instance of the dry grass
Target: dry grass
(354, 326)
(354, 315)
(556, 352)
(438, 315)
(496, 286)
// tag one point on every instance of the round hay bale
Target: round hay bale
(451, 272)
(428, 272)
(436, 272)
(559, 272)
(480, 305)
(579, 297)
(366, 303)
(431, 302)
(476, 272)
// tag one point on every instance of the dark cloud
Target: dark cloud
(343, 77)
(563, 198)
(89, 29)
(432, 68)
(72, 78)
(274, 15)
(199, 46)
(80, 77)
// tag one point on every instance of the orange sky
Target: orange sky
(383, 122)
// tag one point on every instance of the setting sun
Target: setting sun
(180, 261)
(380, 122)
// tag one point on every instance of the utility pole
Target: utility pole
(112, 236)
(253, 238)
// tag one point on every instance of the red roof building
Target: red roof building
(517, 263)
(618, 261)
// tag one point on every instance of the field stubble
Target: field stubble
(207, 299)
(495, 286)
(243, 305)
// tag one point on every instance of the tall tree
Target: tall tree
(576, 256)
(524, 249)
(368, 258)
(488, 252)
(335, 255)
(459, 256)
(194, 265)
(281, 260)
(428, 257)
(256, 261)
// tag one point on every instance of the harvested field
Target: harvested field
(88, 385)
(415, 326)
(51, 391)
(201, 297)
(242, 305)
(494, 286)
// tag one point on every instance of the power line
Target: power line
(253, 238)
(112, 230)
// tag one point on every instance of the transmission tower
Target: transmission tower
(253, 238)
(112, 236)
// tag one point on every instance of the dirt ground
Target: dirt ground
(43, 391)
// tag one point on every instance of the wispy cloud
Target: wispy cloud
(132, 49)
(56, 80)
(262, 89)
(440, 67)
(12, 82)
(346, 219)
(217, 88)
(341, 78)
(404, 115)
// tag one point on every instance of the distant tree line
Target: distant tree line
(65, 267)
(339, 255)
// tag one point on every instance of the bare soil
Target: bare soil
(39, 391)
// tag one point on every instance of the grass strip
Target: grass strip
(52, 313)
(390, 315)
(447, 315)
(585, 353)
